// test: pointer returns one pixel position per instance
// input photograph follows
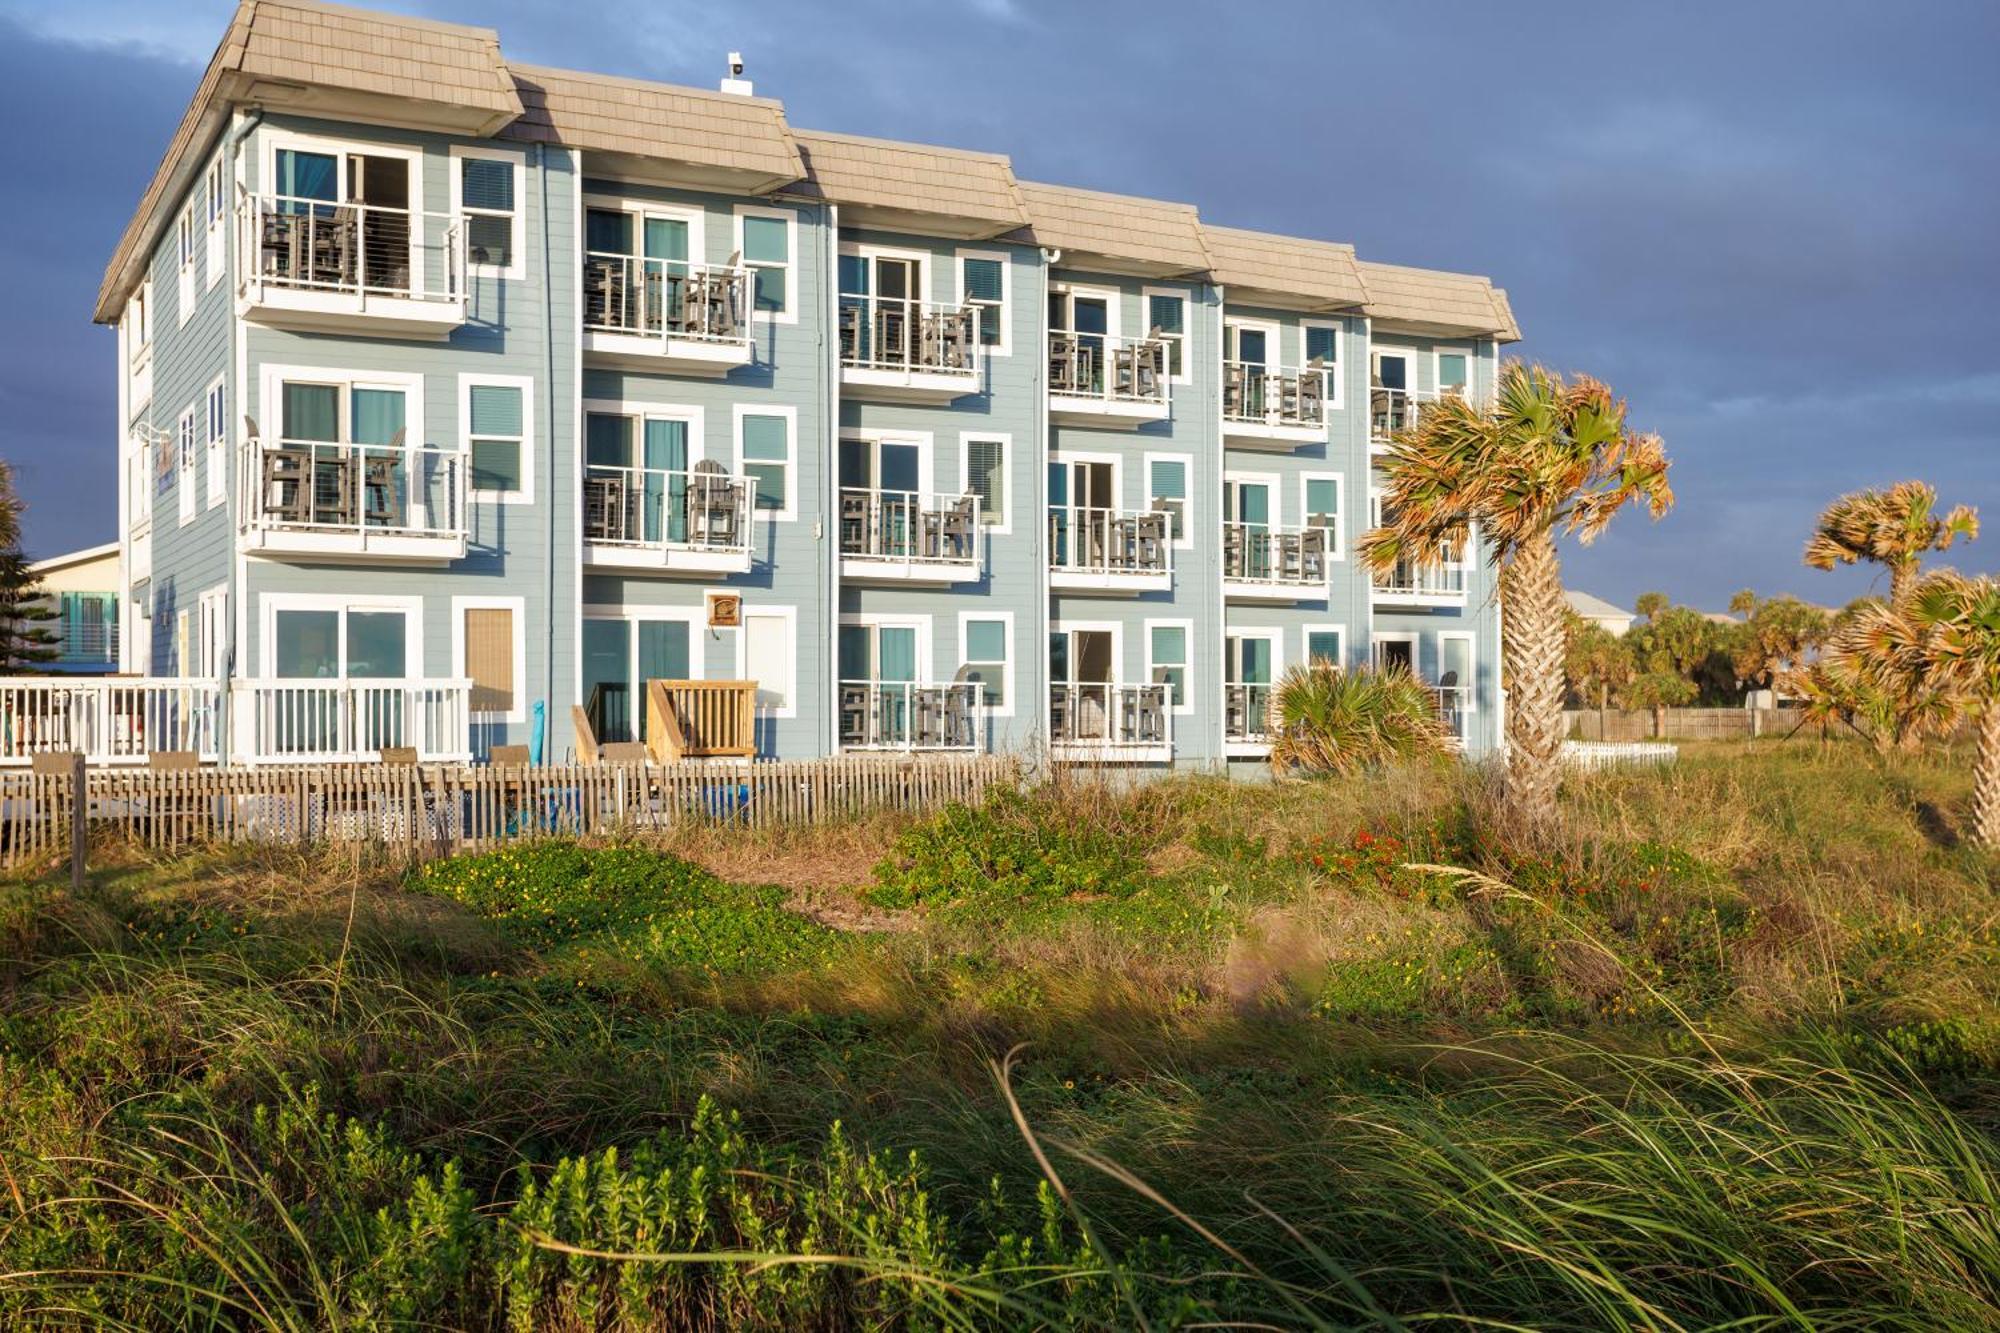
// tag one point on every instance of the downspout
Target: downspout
(549, 432)
(829, 355)
(1039, 524)
(1218, 726)
(239, 369)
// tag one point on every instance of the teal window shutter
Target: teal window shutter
(496, 433)
(496, 409)
(487, 184)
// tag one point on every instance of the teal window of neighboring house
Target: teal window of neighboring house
(486, 193)
(767, 458)
(767, 250)
(986, 659)
(985, 292)
(497, 435)
(87, 620)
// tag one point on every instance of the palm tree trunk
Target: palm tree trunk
(1532, 602)
(1986, 779)
(1901, 576)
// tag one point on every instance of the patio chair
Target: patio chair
(853, 714)
(508, 756)
(397, 756)
(957, 528)
(1060, 715)
(1150, 714)
(604, 517)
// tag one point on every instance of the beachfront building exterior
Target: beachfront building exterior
(454, 391)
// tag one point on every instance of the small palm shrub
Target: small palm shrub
(1326, 720)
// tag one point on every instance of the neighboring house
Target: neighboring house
(1600, 612)
(83, 588)
(452, 386)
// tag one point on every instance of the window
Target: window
(214, 204)
(1454, 372)
(1322, 352)
(982, 284)
(139, 324)
(1326, 643)
(986, 651)
(1167, 660)
(495, 415)
(766, 652)
(1322, 508)
(764, 458)
(211, 633)
(218, 444)
(1166, 319)
(986, 477)
(184, 463)
(184, 241)
(487, 190)
(489, 649)
(620, 650)
(323, 637)
(764, 238)
(1167, 488)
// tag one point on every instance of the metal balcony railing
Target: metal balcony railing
(1254, 394)
(1086, 540)
(909, 526)
(703, 508)
(360, 250)
(905, 715)
(898, 333)
(1097, 366)
(1278, 557)
(1102, 714)
(666, 298)
(388, 490)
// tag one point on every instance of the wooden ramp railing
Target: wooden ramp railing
(701, 719)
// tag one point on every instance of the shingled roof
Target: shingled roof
(959, 192)
(1257, 267)
(1121, 232)
(1439, 304)
(742, 142)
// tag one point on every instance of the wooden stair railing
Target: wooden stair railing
(701, 719)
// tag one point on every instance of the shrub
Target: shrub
(1015, 846)
(1329, 720)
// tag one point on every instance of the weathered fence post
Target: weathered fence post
(79, 812)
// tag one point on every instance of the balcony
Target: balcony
(1261, 563)
(1103, 722)
(897, 350)
(909, 717)
(1391, 410)
(665, 315)
(1246, 717)
(390, 502)
(908, 537)
(110, 719)
(1109, 550)
(1273, 409)
(283, 721)
(323, 267)
(1110, 383)
(1420, 586)
(666, 521)
(697, 719)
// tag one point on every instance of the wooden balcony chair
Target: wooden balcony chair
(604, 508)
(1235, 390)
(1151, 532)
(1060, 714)
(284, 483)
(1311, 404)
(853, 714)
(1312, 554)
(850, 331)
(958, 529)
(853, 523)
(1149, 714)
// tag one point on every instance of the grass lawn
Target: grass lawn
(1726, 1050)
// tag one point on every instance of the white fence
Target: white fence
(294, 721)
(1594, 756)
(110, 719)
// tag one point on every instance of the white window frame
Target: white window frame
(1306, 632)
(1438, 353)
(920, 440)
(1005, 346)
(215, 215)
(919, 624)
(216, 419)
(968, 438)
(1008, 673)
(790, 314)
(270, 603)
(1185, 542)
(187, 462)
(1116, 629)
(1470, 693)
(694, 219)
(271, 402)
(1409, 354)
(790, 615)
(184, 252)
(1409, 636)
(694, 617)
(1113, 299)
(517, 240)
(1338, 551)
(1185, 708)
(341, 150)
(1186, 335)
(1336, 377)
(139, 313)
(1270, 634)
(790, 413)
(518, 607)
(211, 633)
(467, 381)
(1274, 487)
(1274, 339)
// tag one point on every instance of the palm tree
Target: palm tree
(1893, 528)
(1549, 456)
(1948, 632)
(1328, 720)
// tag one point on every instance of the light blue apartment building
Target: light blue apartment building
(454, 391)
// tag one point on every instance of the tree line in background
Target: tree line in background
(26, 641)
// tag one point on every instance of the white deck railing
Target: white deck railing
(1408, 579)
(1391, 410)
(110, 719)
(358, 250)
(292, 721)
(368, 489)
(655, 507)
(1277, 557)
(665, 298)
(1098, 366)
(909, 527)
(1095, 714)
(905, 715)
(1261, 395)
(899, 333)
(1088, 540)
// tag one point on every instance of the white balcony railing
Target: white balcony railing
(1391, 410)
(904, 715)
(359, 251)
(909, 527)
(702, 509)
(110, 719)
(1110, 542)
(1246, 712)
(1101, 715)
(1266, 556)
(365, 491)
(1408, 580)
(900, 334)
(1095, 366)
(665, 298)
(1454, 705)
(1254, 394)
(292, 721)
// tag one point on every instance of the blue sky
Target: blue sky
(1771, 225)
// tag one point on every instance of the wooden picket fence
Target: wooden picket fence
(437, 810)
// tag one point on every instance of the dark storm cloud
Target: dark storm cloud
(1769, 225)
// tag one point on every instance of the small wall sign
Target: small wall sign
(725, 610)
